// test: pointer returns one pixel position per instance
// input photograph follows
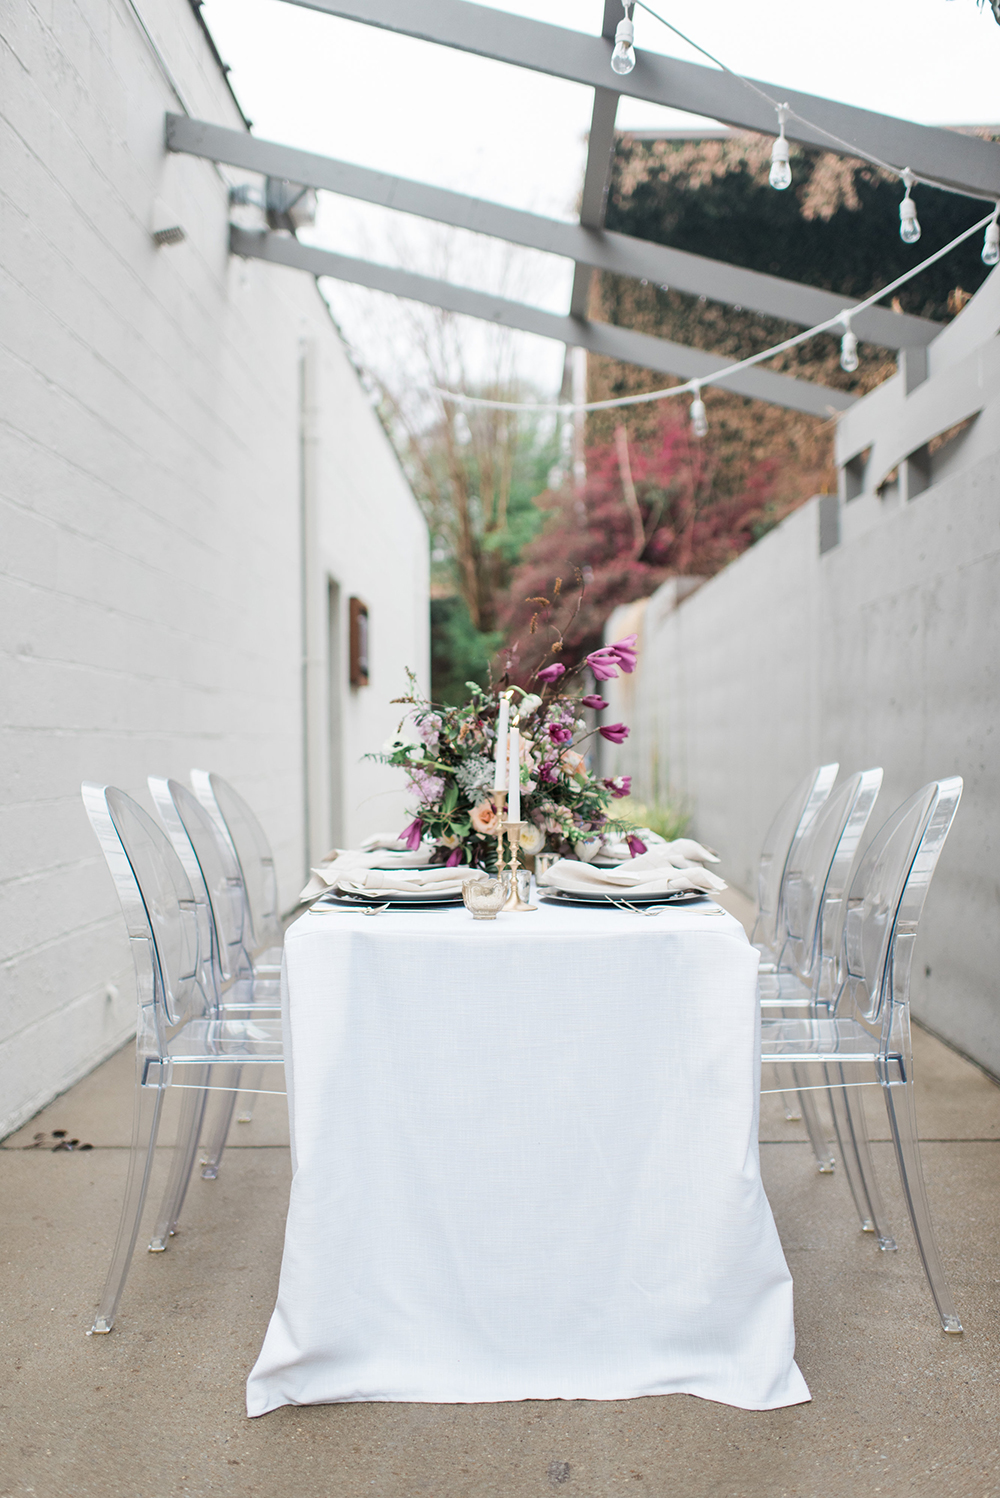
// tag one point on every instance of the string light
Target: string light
(780, 175)
(991, 243)
(848, 347)
(699, 421)
(909, 224)
(623, 57)
(718, 376)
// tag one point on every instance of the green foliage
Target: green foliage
(670, 818)
(460, 653)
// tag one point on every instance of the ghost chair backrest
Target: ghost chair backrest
(249, 843)
(818, 873)
(886, 899)
(210, 862)
(784, 832)
(160, 911)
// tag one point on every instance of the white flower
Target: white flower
(588, 850)
(532, 839)
(401, 743)
(529, 705)
(447, 840)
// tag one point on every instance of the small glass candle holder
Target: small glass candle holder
(523, 884)
(484, 898)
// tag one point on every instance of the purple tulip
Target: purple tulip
(615, 733)
(559, 733)
(551, 673)
(604, 663)
(592, 700)
(620, 786)
(635, 846)
(454, 857)
(547, 773)
(626, 653)
(412, 834)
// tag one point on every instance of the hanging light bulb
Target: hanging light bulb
(699, 421)
(848, 348)
(991, 244)
(780, 175)
(623, 57)
(909, 224)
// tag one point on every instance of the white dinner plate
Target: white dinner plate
(670, 897)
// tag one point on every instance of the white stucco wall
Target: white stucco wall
(885, 650)
(152, 493)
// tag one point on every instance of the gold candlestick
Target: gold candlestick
(514, 901)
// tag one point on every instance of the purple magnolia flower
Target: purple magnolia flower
(620, 786)
(604, 663)
(454, 857)
(559, 733)
(551, 673)
(615, 733)
(594, 701)
(635, 846)
(626, 652)
(412, 834)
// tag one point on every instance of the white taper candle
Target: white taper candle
(514, 786)
(500, 771)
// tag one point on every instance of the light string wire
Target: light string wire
(717, 376)
(886, 166)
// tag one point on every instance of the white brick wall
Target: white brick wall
(150, 515)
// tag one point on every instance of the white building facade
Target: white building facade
(193, 489)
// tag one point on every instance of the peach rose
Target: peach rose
(484, 818)
(571, 762)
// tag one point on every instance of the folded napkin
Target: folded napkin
(438, 880)
(381, 848)
(681, 853)
(663, 870)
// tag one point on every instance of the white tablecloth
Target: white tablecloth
(525, 1164)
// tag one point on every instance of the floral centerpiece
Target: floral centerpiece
(450, 753)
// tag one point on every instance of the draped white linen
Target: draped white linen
(525, 1164)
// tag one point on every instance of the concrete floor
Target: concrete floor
(157, 1407)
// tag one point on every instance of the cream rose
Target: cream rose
(532, 839)
(484, 818)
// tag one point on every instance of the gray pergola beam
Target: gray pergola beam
(962, 161)
(599, 338)
(597, 172)
(600, 249)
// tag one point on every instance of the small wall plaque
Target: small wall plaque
(359, 642)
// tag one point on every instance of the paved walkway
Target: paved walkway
(156, 1408)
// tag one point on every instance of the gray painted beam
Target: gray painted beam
(598, 338)
(962, 161)
(600, 249)
(597, 173)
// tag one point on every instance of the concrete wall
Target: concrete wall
(883, 648)
(174, 426)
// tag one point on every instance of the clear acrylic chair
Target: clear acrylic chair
(782, 836)
(211, 866)
(862, 1036)
(183, 1038)
(248, 840)
(817, 875)
(237, 824)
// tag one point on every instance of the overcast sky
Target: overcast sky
(514, 136)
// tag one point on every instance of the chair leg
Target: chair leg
(899, 1105)
(814, 1128)
(145, 1124)
(193, 1100)
(212, 1156)
(248, 1098)
(852, 1137)
(793, 1113)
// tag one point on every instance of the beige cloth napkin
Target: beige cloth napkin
(663, 870)
(381, 848)
(438, 880)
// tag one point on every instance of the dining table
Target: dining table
(525, 1162)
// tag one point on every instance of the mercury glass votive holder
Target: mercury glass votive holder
(484, 898)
